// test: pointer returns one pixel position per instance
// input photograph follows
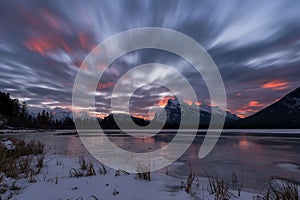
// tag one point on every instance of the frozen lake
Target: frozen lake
(254, 156)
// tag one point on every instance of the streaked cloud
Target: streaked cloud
(255, 44)
(276, 85)
(254, 104)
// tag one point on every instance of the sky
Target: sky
(255, 44)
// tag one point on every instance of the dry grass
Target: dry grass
(24, 165)
(121, 171)
(220, 188)
(93, 197)
(22, 148)
(90, 170)
(82, 163)
(11, 169)
(115, 191)
(32, 176)
(89, 198)
(3, 185)
(281, 190)
(3, 190)
(86, 169)
(56, 180)
(59, 162)
(237, 184)
(14, 187)
(76, 173)
(17, 162)
(143, 172)
(103, 170)
(39, 163)
(190, 180)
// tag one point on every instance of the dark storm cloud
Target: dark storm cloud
(255, 44)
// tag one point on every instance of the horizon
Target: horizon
(162, 103)
(258, 60)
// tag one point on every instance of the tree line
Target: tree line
(15, 114)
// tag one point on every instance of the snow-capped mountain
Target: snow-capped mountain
(285, 113)
(173, 112)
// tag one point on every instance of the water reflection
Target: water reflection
(254, 159)
(244, 143)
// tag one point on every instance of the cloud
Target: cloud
(43, 44)
(105, 85)
(254, 104)
(164, 101)
(275, 85)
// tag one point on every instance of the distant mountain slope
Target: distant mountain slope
(285, 113)
(109, 122)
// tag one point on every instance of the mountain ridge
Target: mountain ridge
(173, 112)
(285, 113)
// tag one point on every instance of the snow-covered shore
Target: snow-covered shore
(55, 182)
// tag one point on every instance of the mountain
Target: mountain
(285, 113)
(109, 122)
(173, 111)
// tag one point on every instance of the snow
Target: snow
(54, 182)
(2, 131)
(8, 144)
(106, 186)
(289, 166)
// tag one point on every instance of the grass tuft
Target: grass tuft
(76, 173)
(281, 190)
(86, 169)
(143, 172)
(82, 163)
(17, 160)
(121, 171)
(90, 170)
(39, 163)
(103, 170)
(24, 165)
(219, 187)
